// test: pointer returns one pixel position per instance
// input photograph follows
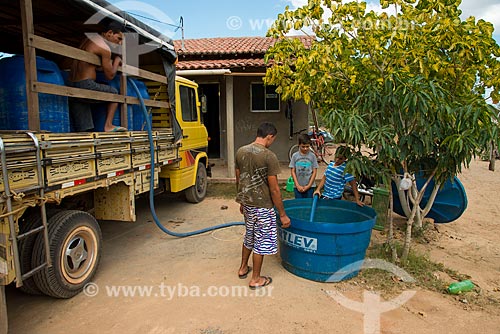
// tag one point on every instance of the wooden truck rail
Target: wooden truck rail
(77, 158)
(47, 167)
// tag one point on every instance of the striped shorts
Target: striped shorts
(260, 230)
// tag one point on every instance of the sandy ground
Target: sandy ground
(194, 287)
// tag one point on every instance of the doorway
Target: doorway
(211, 119)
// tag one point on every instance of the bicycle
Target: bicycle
(321, 148)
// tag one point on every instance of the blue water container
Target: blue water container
(53, 109)
(332, 247)
(449, 204)
(135, 115)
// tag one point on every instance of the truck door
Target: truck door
(195, 134)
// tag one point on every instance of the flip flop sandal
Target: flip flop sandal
(249, 269)
(268, 281)
(118, 129)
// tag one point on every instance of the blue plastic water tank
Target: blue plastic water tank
(53, 109)
(135, 115)
(332, 247)
(449, 204)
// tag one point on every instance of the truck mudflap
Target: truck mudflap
(209, 169)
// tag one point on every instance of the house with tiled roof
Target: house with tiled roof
(229, 72)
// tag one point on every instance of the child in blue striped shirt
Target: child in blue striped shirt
(335, 178)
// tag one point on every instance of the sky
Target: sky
(236, 18)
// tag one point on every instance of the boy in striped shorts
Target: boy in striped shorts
(257, 170)
(335, 178)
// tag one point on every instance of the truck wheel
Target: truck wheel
(30, 221)
(75, 250)
(198, 191)
(4, 326)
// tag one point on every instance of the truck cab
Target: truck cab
(193, 169)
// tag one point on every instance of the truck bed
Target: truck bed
(61, 163)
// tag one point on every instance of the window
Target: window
(264, 98)
(188, 104)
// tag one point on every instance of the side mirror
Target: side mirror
(204, 104)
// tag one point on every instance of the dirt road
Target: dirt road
(190, 285)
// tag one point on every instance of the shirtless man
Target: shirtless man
(83, 75)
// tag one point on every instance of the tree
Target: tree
(494, 148)
(412, 86)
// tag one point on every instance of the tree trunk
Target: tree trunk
(3, 311)
(493, 157)
(418, 218)
(390, 236)
(409, 225)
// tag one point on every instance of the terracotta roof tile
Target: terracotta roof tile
(229, 45)
(220, 63)
(226, 52)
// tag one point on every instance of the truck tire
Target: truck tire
(75, 249)
(30, 221)
(4, 324)
(198, 191)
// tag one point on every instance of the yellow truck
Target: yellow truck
(55, 186)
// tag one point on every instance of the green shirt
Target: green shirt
(255, 163)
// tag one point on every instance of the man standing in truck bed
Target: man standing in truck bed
(83, 75)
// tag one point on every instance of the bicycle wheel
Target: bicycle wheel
(328, 152)
(293, 149)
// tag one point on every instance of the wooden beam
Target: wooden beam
(42, 87)
(30, 65)
(75, 53)
(144, 74)
(64, 50)
(47, 88)
(148, 103)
